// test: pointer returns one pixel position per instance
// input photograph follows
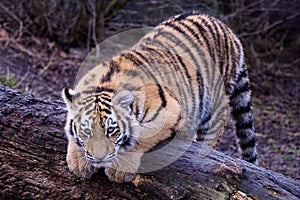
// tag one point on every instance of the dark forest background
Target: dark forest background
(42, 44)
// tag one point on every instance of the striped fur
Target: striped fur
(175, 79)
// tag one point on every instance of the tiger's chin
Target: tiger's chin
(121, 168)
(101, 164)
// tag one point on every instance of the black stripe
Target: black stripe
(113, 68)
(234, 62)
(242, 125)
(237, 46)
(71, 127)
(183, 15)
(159, 108)
(241, 75)
(78, 142)
(241, 132)
(89, 91)
(249, 144)
(219, 85)
(136, 62)
(252, 159)
(165, 57)
(128, 140)
(187, 83)
(137, 111)
(92, 118)
(162, 96)
(103, 89)
(132, 73)
(172, 37)
(206, 119)
(247, 155)
(117, 142)
(165, 141)
(182, 82)
(212, 29)
(107, 111)
(89, 112)
(183, 66)
(86, 100)
(201, 91)
(225, 51)
(161, 92)
(236, 112)
(86, 107)
(173, 131)
(217, 113)
(163, 105)
(218, 45)
(75, 129)
(162, 59)
(105, 104)
(189, 39)
(201, 31)
(97, 100)
(122, 123)
(149, 56)
(125, 141)
(105, 98)
(174, 56)
(199, 76)
(145, 113)
(238, 90)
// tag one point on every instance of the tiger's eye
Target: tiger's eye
(87, 131)
(110, 129)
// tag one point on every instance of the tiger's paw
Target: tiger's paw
(79, 165)
(119, 176)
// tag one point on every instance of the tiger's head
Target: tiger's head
(101, 123)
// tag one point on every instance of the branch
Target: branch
(270, 26)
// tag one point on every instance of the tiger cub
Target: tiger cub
(171, 81)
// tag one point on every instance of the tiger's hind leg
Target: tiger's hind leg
(210, 126)
(241, 111)
(202, 130)
(205, 122)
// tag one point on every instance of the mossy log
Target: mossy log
(33, 165)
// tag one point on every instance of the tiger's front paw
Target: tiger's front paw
(119, 176)
(78, 164)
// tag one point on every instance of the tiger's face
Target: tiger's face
(101, 127)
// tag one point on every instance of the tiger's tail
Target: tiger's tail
(241, 111)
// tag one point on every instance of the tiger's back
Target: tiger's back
(203, 51)
(176, 78)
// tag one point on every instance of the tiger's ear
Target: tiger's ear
(67, 95)
(123, 100)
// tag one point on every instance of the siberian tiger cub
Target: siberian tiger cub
(171, 81)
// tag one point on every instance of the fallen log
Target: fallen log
(33, 150)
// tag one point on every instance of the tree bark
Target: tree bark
(33, 150)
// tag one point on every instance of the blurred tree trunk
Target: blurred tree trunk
(32, 156)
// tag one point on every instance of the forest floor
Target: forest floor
(38, 66)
